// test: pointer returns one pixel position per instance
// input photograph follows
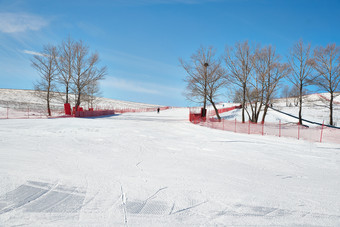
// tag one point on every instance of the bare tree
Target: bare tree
(239, 65)
(294, 93)
(301, 64)
(327, 66)
(275, 72)
(285, 93)
(65, 63)
(256, 89)
(204, 77)
(86, 71)
(45, 64)
(91, 93)
(215, 83)
(237, 95)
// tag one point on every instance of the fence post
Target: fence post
(298, 131)
(7, 112)
(280, 128)
(262, 127)
(249, 127)
(322, 130)
(28, 112)
(235, 125)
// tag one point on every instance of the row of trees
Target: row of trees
(69, 67)
(254, 74)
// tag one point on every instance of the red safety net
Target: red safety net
(32, 111)
(67, 107)
(313, 134)
(28, 112)
(195, 113)
(93, 113)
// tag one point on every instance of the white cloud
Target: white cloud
(129, 85)
(32, 52)
(140, 63)
(140, 87)
(21, 22)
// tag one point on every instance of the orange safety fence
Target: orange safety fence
(314, 134)
(27, 113)
(33, 112)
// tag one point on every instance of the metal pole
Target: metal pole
(322, 130)
(249, 127)
(280, 128)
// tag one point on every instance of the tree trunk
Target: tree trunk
(216, 111)
(66, 94)
(258, 112)
(205, 103)
(243, 103)
(265, 111)
(331, 109)
(300, 105)
(254, 117)
(78, 102)
(48, 103)
(205, 99)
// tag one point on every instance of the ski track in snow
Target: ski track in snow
(149, 169)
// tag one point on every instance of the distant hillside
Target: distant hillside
(315, 108)
(13, 98)
(309, 100)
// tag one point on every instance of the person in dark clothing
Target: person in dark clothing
(158, 110)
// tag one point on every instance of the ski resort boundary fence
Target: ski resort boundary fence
(291, 130)
(41, 113)
(28, 113)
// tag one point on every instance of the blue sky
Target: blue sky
(140, 41)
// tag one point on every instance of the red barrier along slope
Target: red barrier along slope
(195, 115)
(313, 134)
(94, 113)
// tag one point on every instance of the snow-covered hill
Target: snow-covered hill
(28, 98)
(315, 108)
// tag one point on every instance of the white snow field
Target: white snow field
(149, 169)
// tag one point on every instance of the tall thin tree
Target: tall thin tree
(256, 85)
(301, 63)
(203, 78)
(275, 72)
(86, 70)
(65, 63)
(327, 66)
(45, 64)
(239, 65)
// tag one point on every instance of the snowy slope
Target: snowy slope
(315, 108)
(149, 169)
(23, 98)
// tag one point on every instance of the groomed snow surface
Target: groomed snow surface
(149, 169)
